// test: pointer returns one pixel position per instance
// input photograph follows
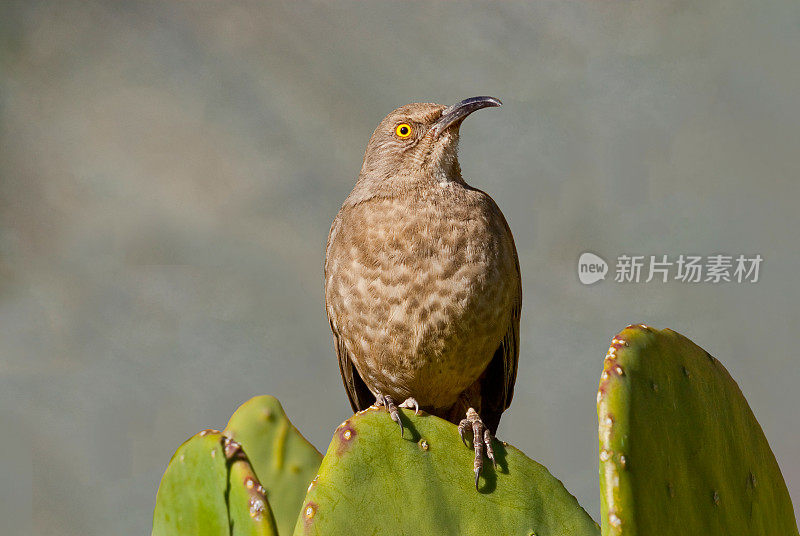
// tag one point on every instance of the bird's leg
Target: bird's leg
(387, 402)
(481, 440)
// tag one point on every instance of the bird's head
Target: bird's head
(419, 141)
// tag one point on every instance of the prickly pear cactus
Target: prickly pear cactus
(680, 449)
(372, 481)
(284, 460)
(210, 489)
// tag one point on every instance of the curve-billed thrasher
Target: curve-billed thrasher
(422, 281)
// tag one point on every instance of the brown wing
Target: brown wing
(357, 391)
(497, 384)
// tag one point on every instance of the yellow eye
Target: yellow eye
(403, 130)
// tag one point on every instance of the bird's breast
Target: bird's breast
(421, 289)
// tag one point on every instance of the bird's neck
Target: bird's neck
(405, 183)
(447, 171)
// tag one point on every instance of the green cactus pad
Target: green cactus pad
(372, 481)
(209, 489)
(680, 449)
(284, 460)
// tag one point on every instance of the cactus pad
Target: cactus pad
(372, 481)
(282, 458)
(680, 449)
(210, 489)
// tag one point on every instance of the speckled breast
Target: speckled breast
(421, 289)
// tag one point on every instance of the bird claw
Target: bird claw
(481, 441)
(387, 402)
(410, 403)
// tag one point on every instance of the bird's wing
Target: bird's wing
(497, 385)
(357, 391)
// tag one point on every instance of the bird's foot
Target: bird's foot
(387, 402)
(410, 403)
(481, 440)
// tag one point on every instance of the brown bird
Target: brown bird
(422, 280)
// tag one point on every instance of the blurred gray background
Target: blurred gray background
(169, 172)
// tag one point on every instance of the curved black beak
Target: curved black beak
(457, 112)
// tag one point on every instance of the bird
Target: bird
(422, 281)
